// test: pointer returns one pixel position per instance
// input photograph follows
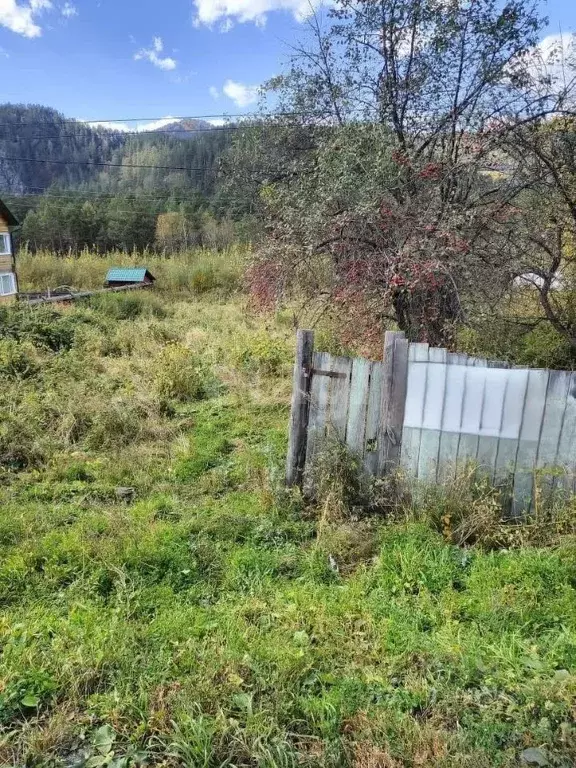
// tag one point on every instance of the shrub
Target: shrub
(538, 347)
(23, 436)
(129, 305)
(119, 422)
(18, 361)
(337, 483)
(42, 326)
(263, 353)
(181, 375)
(203, 280)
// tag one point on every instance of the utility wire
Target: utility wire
(32, 198)
(96, 124)
(158, 132)
(106, 165)
(162, 132)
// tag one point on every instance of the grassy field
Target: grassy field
(199, 620)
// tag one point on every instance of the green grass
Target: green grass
(201, 623)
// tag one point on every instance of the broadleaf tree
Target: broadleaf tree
(375, 177)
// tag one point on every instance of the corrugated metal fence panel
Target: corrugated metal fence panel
(459, 409)
(507, 421)
(514, 399)
(530, 431)
(434, 401)
(415, 397)
(565, 456)
(452, 420)
(495, 384)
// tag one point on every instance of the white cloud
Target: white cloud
(153, 55)
(127, 128)
(124, 127)
(214, 92)
(156, 124)
(230, 11)
(554, 48)
(69, 10)
(21, 19)
(241, 94)
(551, 62)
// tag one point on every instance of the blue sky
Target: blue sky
(104, 59)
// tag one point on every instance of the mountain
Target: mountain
(40, 147)
(72, 185)
(185, 129)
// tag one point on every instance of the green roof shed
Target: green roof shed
(129, 276)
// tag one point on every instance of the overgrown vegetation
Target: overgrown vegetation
(164, 601)
(419, 171)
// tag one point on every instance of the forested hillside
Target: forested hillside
(39, 147)
(74, 186)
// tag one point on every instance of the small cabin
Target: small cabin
(8, 279)
(119, 276)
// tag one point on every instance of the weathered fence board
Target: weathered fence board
(359, 389)
(435, 412)
(373, 419)
(339, 396)
(393, 402)
(318, 411)
(299, 414)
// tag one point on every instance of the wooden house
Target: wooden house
(8, 279)
(119, 276)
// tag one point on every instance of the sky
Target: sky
(100, 60)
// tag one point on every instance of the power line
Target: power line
(25, 209)
(94, 124)
(106, 165)
(32, 205)
(158, 132)
(161, 195)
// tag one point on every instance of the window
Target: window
(5, 245)
(7, 284)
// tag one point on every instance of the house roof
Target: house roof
(128, 275)
(7, 215)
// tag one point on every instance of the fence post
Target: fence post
(300, 408)
(394, 385)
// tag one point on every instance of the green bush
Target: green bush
(24, 438)
(497, 339)
(42, 326)
(203, 280)
(129, 305)
(18, 361)
(263, 353)
(181, 375)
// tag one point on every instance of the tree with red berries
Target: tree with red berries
(376, 182)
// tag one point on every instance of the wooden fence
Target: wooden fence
(431, 412)
(66, 296)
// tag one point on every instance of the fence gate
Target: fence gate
(431, 412)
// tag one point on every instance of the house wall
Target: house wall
(7, 263)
